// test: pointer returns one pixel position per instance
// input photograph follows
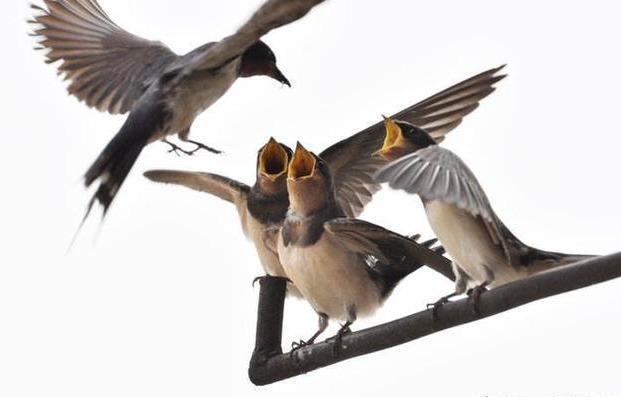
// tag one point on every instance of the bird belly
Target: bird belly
(255, 231)
(467, 241)
(197, 93)
(331, 278)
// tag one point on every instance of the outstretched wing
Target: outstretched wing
(443, 112)
(273, 14)
(351, 161)
(219, 186)
(353, 165)
(435, 173)
(396, 255)
(108, 67)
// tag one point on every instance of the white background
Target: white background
(161, 302)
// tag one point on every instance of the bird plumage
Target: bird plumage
(351, 162)
(260, 207)
(344, 267)
(462, 217)
(113, 70)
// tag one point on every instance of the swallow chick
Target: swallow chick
(345, 268)
(115, 71)
(261, 207)
(484, 251)
(352, 162)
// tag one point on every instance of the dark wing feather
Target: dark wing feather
(351, 161)
(435, 173)
(272, 14)
(220, 186)
(396, 256)
(352, 166)
(444, 111)
(109, 68)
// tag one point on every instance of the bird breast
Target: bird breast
(199, 91)
(331, 278)
(467, 241)
(255, 231)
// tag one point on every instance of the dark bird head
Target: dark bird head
(403, 138)
(272, 164)
(259, 60)
(309, 182)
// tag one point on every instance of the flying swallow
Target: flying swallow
(484, 251)
(113, 70)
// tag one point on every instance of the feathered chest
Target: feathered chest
(268, 210)
(301, 231)
(197, 92)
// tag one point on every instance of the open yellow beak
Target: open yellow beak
(302, 164)
(273, 160)
(394, 135)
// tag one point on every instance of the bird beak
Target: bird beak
(276, 74)
(302, 164)
(273, 160)
(394, 135)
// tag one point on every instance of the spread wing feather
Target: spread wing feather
(109, 68)
(435, 173)
(219, 186)
(351, 161)
(395, 254)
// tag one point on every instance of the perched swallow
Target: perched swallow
(113, 70)
(260, 207)
(344, 267)
(351, 164)
(351, 160)
(484, 252)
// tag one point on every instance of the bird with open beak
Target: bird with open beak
(115, 71)
(344, 267)
(350, 161)
(485, 253)
(260, 207)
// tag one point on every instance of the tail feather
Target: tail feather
(116, 160)
(115, 175)
(538, 261)
(111, 168)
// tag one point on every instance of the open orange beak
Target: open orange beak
(394, 137)
(302, 164)
(273, 160)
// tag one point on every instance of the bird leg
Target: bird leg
(338, 339)
(439, 303)
(474, 294)
(323, 324)
(201, 146)
(177, 149)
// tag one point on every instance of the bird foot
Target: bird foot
(474, 295)
(295, 346)
(337, 345)
(257, 279)
(201, 146)
(438, 304)
(176, 149)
